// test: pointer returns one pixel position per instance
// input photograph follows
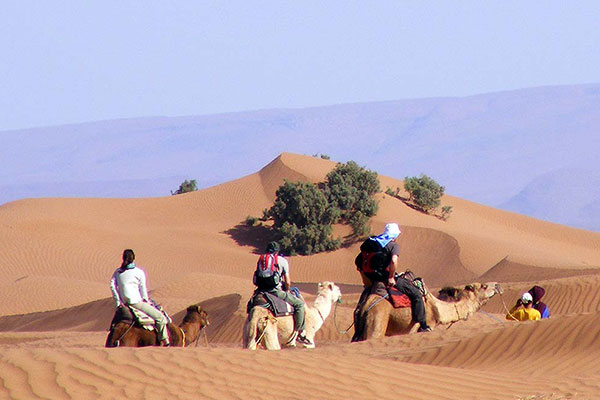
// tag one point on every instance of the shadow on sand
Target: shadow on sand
(257, 236)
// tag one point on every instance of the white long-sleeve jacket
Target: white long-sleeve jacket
(129, 286)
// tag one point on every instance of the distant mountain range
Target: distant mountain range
(532, 151)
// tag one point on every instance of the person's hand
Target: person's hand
(519, 303)
(391, 282)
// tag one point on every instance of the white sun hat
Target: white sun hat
(526, 298)
(392, 230)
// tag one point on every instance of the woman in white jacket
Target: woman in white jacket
(128, 286)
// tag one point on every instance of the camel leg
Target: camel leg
(376, 322)
(252, 327)
(270, 336)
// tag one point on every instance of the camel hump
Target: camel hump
(278, 307)
(129, 314)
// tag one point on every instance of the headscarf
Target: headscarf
(537, 292)
(390, 233)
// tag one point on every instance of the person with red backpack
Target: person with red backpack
(378, 262)
(272, 275)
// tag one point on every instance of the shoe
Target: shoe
(424, 328)
(304, 340)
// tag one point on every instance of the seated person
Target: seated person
(523, 310)
(537, 292)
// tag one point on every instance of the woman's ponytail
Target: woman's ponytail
(128, 257)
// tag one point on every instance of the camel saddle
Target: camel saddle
(278, 307)
(130, 315)
(396, 298)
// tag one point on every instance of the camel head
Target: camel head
(327, 288)
(481, 292)
(195, 313)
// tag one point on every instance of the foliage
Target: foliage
(251, 221)
(323, 156)
(390, 192)
(360, 224)
(186, 186)
(303, 213)
(425, 192)
(350, 188)
(309, 239)
(265, 215)
(303, 216)
(446, 211)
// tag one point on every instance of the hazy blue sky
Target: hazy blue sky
(76, 61)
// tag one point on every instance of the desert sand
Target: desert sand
(57, 256)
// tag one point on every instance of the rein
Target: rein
(125, 333)
(321, 315)
(265, 321)
(335, 322)
(506, 309)
(183, 336)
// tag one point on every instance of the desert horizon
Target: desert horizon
(57, 256)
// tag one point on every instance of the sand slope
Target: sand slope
(57, 255)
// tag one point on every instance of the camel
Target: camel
(262, 327)
(124, 334)
(378, 318)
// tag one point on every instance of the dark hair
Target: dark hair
(128, 257)
(273, 247)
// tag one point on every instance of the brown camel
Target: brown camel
(125, 335)
(380, 319)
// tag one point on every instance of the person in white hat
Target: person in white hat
(523, 310)
(378, 262)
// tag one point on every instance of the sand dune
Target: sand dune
(57, 255)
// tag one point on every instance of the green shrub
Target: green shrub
(251, 221)
(186, 186)
(446, 211)
(351, 189)
(303, 213)
(302, 216)
(424, 192)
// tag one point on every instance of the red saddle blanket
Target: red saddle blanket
(394, 296)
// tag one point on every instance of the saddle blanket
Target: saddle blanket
(395, 297)
(278, 306)
(129, 314)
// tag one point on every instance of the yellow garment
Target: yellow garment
(523, 314)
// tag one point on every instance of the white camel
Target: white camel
(262, 327)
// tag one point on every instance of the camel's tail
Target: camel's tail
(254, 328)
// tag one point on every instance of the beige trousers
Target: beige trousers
(157, 316)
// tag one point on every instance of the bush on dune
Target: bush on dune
(303, 213)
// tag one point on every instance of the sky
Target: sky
(64, 62)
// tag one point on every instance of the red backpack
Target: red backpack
(268, 274)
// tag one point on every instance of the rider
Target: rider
(128, 286)
(537, 292)
(281, 290)
(388, 240)
(523, 310)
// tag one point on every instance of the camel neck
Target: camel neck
(452, 311)
(191, 332)
(323, 305)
